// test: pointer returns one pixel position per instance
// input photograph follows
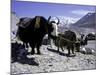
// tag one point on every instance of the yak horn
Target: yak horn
(58, 20)
(49, 18)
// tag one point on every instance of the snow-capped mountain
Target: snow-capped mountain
(89, 21)
(64, 21)
(64, 24)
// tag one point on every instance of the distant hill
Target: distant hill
(14, 21)
(88, 21)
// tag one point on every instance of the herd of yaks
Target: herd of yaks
(31, 32)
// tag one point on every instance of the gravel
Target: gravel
(52, 61)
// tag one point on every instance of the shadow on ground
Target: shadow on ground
(60, 53)
(19, 54)
(29, 61)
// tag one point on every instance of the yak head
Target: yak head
(37, 22)
(52, 27)
(50, 22)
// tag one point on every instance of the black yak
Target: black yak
(33, 31)
(68, 40)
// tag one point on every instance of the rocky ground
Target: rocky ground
(52, 61)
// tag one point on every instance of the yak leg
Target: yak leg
(38, 47)
(58, 45)
(33, 51)
(38, 50)
(62, 48)
(58, 49)
(72, 49)
(68, 50)
(58, 41)
(32, 46)
(26, 45)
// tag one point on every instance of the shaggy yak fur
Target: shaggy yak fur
(34, 32)
(68, 40)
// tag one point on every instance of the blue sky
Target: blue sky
(31, 9)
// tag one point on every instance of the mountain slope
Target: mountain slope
(14, 21)
(88, 21)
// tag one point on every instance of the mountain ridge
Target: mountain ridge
(88, 21)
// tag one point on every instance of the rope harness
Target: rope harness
(67, 40)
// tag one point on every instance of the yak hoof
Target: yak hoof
(32, 53)
(38, 53)
(58, 50)
(68, 54)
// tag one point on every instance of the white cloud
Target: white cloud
(80, 12)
